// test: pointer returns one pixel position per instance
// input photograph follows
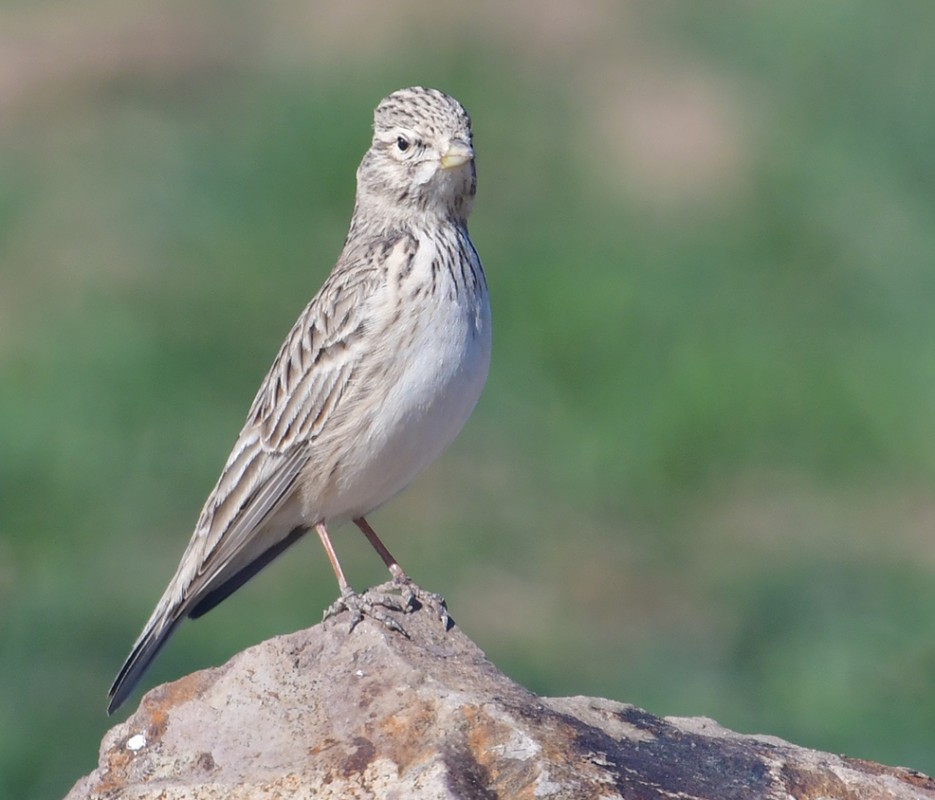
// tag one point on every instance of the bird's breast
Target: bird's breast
(429, 356)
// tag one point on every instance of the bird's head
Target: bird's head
(421, 160)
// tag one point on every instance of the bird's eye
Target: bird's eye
(402, 144)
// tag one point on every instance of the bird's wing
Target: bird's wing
(299, 396)
(295, 403)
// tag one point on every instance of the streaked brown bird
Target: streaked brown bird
(376, 378)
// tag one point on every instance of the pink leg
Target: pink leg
(352, 602)
(333, 558)
(391, 563)
(434, 601)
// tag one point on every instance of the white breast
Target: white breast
(436, 354)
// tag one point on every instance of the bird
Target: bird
(377, 377)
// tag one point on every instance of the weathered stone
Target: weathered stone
(326, 714)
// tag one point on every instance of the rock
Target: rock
(326, 714)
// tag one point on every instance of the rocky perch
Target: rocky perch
(324, 714)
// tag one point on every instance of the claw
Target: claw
(399, 595)
(369, 604)
(417, 597)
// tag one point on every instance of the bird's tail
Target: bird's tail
(147, 647)
(188, 597)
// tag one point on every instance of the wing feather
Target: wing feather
(299, 395)
(294, 404)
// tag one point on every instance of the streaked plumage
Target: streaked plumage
(376, 378)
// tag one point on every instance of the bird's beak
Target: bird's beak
(457, 155)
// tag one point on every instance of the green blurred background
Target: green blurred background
(701, 477)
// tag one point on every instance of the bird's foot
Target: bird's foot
(416, 597)
(374, 604)
(398, 595)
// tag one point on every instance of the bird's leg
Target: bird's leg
(391, 563)
(343, 585)
(352, 602)
(400, 580)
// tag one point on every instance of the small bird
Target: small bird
(376, 378)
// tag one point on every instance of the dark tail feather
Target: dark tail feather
(221, 592)
(142, 655)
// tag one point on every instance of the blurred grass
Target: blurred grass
(700, 478)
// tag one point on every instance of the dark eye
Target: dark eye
(403, 144)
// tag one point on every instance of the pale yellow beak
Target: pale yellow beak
(457, 155)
